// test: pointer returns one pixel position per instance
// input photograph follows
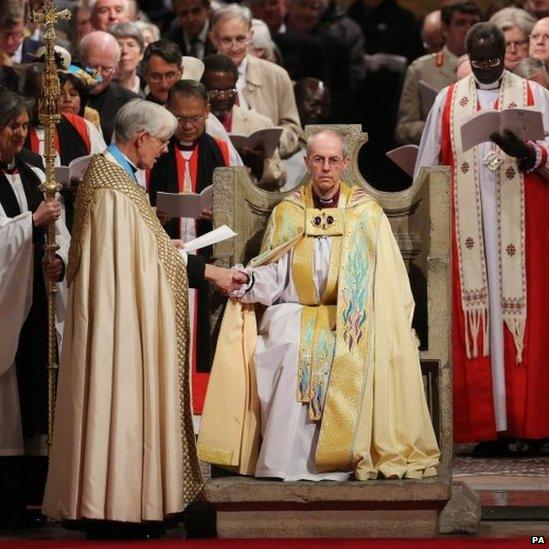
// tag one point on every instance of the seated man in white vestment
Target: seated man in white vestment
(326, 382)
(123, 443)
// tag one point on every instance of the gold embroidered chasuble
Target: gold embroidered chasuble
(123, 444)
(340, 349)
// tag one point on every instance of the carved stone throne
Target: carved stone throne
(246, 507)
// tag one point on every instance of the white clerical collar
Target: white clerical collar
(492, 86)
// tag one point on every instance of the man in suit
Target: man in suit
(436, 70)
(262, 86)
(190, 31)
(14, 47)
(99, 51)
(219, 78)
(161, 69)
(105, 13)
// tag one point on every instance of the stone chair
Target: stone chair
(246, 507)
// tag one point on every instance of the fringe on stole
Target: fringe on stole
(517, 327)
(474, 319)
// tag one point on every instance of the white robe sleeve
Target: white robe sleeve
(429, 147)
(215, 128)
(16, 270)
(97, 143)
(269, 281)
(541, 101)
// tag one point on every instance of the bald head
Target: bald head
(100, 51)
(431, 32)
(539, 40)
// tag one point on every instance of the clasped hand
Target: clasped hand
(225, 280)
(53, 269)
(511, 145)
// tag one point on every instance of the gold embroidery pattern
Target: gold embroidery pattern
(103, 174)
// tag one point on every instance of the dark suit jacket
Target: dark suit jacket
(175, 34)
(196, 264)
(9, 79)
(29, 47)
(107, 104)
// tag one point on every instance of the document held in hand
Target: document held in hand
(405, 158)
(427, 94)
(525, 123)
(266, 140)
(185, 204)
(209, 239)
(75, 170)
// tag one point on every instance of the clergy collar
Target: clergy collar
(9, 167)
(326, 203)
(492, 86)
(182, 146)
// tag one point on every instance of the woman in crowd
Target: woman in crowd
(516, 25)
(74, 96)
(131, 44)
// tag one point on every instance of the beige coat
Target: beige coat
(269, 91)
(411, 115)
(246, 123)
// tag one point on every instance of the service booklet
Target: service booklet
(525, 123)
(75, 170)
(427, 94)
(266, 139)
(190, 205)
(405, 158)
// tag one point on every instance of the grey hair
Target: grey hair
(232, 11)
(128, 30)
(13, 105)
(85, 43)
(151, 27)
(528, 67)
(327, 132)
(139, 115)
(511, 17)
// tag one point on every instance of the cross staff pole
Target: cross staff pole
(48, 114)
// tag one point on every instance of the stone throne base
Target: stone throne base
(254, 508)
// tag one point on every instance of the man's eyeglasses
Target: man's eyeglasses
(516, 44)
(193, 120)
(159, 77)
(319, 161)
(99, 69)
(214, 94)
(485, 63)
(238, 40)
(539, 36)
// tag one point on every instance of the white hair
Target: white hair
(138, 116)
(511, 17)
(232, 11)
(93, 38)
(262, 38)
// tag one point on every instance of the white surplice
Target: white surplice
(429, 155)
(284, 420)
(16, 284)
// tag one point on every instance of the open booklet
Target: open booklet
(405, 158)
(525, 123)
(75, 170)
(209, 239)
(427, 95)
(189, 205)
(266, 139)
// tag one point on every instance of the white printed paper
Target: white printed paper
(188, 205)
(209, 239)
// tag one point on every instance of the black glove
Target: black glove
(511, 145)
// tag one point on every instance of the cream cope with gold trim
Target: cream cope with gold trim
(358, 366)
